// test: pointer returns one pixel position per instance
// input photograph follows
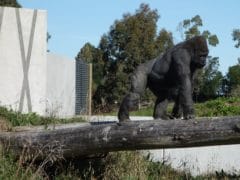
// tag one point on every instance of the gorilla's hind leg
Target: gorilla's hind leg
(129, 102)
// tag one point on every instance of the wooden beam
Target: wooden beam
(82, 139)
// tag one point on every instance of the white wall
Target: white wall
(60, 86)
(48, 86)
(201, 160)
(12, 85)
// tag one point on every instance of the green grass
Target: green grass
(19, 119)
(15, 170)
(218, 107)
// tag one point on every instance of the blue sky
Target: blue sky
(72, 23)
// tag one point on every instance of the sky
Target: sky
(72, 23)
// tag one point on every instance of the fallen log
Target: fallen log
(82, 139)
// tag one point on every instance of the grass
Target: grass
(218, 107)
(10, 118)
(12, 169)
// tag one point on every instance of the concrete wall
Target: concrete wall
(23, 59)
(60, 86)
(201, 160)
(31, 80)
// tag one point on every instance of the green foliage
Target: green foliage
(236, 91)
(233, 78)
(10, 169)
(164, 41)
(129, 43)
(236, 37)
(90, 54)
(19, 119)
(219, 107)
(211, 82)
(191, 27)
(86, 53)
(10, 3)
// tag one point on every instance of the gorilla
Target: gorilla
(168, 76)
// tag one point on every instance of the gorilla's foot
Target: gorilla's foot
(190, 116)
(172, 117)
(124, 120)
(162, 117)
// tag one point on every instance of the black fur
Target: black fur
(169, 76)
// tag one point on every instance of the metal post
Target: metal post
(90, 91)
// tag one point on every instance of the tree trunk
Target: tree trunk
(82, 139)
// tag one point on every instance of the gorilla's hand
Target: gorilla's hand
(188, 113)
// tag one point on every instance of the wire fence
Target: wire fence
(83, 88)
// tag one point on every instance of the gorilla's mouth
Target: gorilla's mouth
(203, 63)
(200, 64)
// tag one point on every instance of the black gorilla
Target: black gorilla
(169, 76)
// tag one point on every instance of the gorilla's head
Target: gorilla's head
(197, 46)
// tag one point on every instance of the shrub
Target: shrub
(219, 107)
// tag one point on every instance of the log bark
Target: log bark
(82, 139)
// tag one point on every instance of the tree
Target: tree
(190, 28)
(90, 54)
(233, 78)
(164, 41)
(231, 85)
(236, 37)
(86, 53)
(212, 79)
(10, 3)
(130, 42)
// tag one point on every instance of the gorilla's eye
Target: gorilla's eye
(203, 55)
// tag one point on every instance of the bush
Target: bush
(219, 107)
(19, 119)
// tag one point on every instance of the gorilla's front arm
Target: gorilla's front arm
(139, 81)
(182, 61)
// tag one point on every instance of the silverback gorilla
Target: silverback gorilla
(169, 76)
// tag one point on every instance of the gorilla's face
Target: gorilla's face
(199, 51)
(200, 59)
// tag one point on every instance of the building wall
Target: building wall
(23, 59)
(60, 86)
